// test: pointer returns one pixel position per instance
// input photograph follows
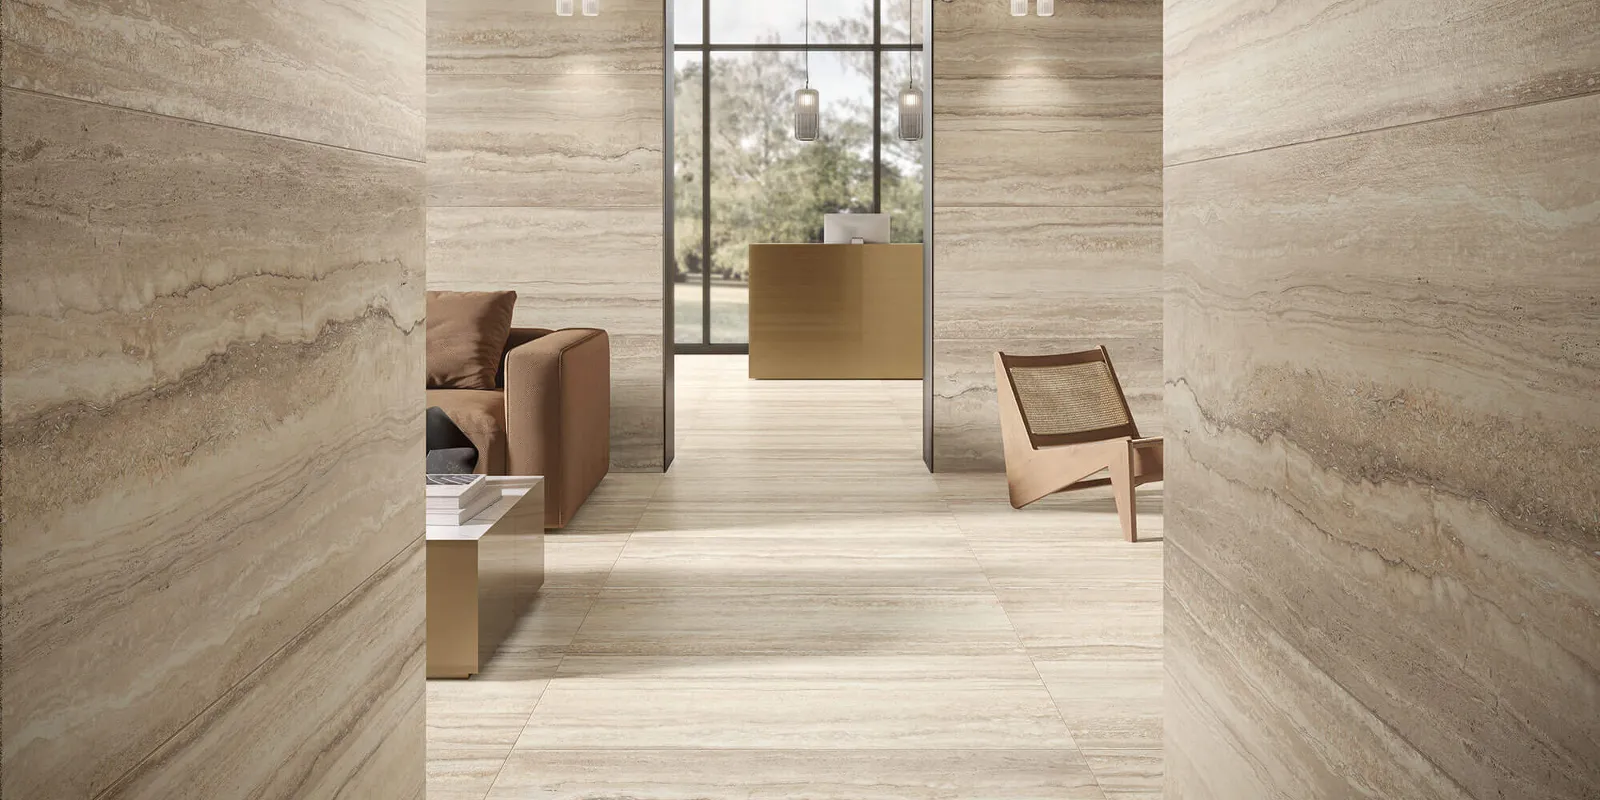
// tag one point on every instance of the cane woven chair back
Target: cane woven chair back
(1070, 398)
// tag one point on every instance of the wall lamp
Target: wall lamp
(1047, 8)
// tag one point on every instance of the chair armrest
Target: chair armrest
(558, 414)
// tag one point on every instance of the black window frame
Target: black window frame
(705, 48)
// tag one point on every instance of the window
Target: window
(759, 184)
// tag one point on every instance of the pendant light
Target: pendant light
(1047, 8)
(911, 110)
(807, 102)
(591, 8)
(1019, 8)
(563, 8)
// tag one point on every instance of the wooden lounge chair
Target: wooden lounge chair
(1064, 419)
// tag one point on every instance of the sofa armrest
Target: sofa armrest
(558, 415)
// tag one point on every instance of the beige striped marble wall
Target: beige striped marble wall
(1383, 399)
(1047, 192)
(210, 561)
(545, 151)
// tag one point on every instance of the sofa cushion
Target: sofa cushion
(481, 415)
(466, 337)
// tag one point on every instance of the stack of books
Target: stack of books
(455, 499)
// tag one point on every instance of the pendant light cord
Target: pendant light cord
(911, 38)
(808, 44)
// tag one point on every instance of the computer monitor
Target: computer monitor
(845, 228)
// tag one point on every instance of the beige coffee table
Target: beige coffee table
(482, 576)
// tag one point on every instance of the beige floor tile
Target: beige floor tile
(580, 562)
(1127, 774)
(798, 609)
(1099, 620)
(1108, 704)
(823, 489)
(542, 634)
(478, 713)
(790, 774)
(851, 702)
(1067, 560)
(923, 520)
(615, 505)
(819, 559)
(463, 773)
(713, 622)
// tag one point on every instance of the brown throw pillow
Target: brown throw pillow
(466, 336)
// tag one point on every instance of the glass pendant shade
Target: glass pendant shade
(1047, 8)
(911, 114)
(807, 114)
(1019, 8)
(564, 8)
(591, 8)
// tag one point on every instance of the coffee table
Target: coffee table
(482, 576)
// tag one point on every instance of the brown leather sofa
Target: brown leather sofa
(549, 414)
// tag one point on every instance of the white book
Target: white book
(462, 515)
(453, 493)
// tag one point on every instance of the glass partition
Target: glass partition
(741, 177)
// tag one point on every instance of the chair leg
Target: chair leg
(1122, 490)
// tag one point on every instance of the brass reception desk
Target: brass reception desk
(836, 311)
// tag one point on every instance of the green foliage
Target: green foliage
(765, 185)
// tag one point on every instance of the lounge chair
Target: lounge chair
(1064, 420)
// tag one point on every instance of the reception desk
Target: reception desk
(836, 311)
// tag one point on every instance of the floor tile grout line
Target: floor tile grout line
(798, 749)
(595, 599)
(1031, 661)
(1023, 647)
(942, 504)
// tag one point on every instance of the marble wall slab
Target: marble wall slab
(350, 76)
(1047, 221)
(994, 262)
(545, 158)
(1085, 39)
(1382, 359)
(1244, 77)
(545, 141)
(367, 649)
(506, 37)
(211, 401)
(568, 266)
(1028, 141)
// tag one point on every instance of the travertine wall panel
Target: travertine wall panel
(348, 75)
(1037, 142)
(1047, 194)
(1247, 75)
(508, 37)
(1085, 39)
(543, 141)
(211, 402)
(545, 158)
(1383, 350)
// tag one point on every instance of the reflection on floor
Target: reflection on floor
(799, 609)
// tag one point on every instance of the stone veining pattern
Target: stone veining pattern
(1383, 354)
(545, 158)
(1047, 220)
(211, 401)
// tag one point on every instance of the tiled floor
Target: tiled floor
(799, 610)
